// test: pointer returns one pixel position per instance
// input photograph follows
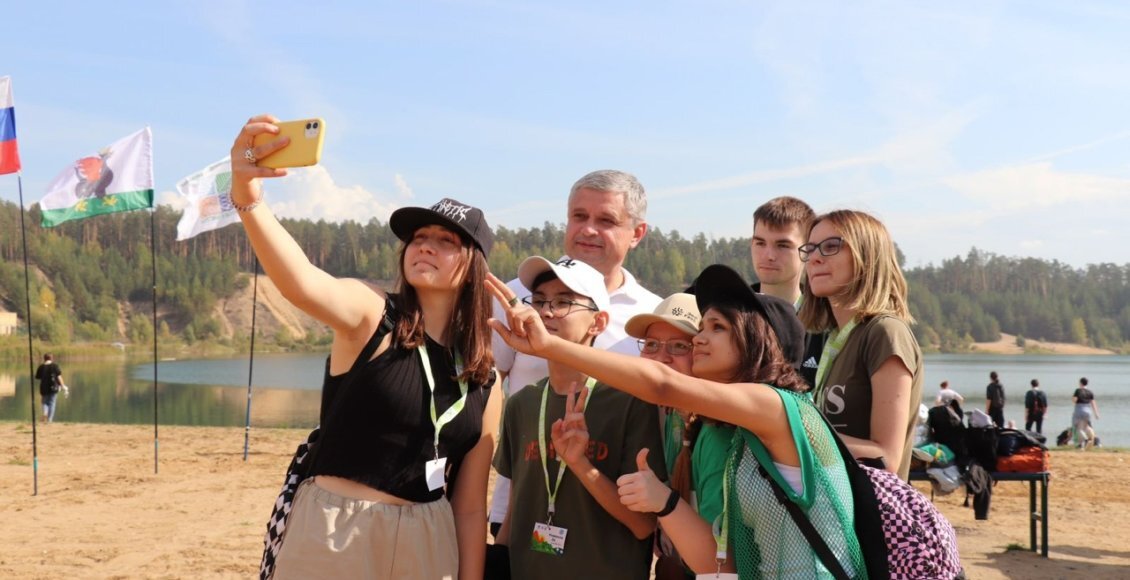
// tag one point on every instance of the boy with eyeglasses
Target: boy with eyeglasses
(566, 439)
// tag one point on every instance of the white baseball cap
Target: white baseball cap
(578, 276)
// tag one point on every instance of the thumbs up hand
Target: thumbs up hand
(642, 491)
(641, 460)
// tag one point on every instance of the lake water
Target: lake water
(286, 389)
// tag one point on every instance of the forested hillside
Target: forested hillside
(92, 279)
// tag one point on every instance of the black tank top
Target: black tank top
(381, 433)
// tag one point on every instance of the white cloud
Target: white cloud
(1036, 185)
(312, 193)
(402, 187)
(171, 199)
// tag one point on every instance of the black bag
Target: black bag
(947, 428)
(1009, 441)
(982, 445)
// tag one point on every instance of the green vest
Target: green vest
(766, 542)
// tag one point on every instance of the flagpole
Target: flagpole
(153, 244)
(30, 350)
(251, 357)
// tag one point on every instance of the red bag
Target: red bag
(1026, 460)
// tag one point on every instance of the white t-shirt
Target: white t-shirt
(945, 396)
(626, 301)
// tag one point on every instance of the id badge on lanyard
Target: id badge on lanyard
(546, 537)
(435, 470)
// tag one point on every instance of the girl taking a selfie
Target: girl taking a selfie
(396, 483)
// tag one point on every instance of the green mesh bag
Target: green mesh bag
(766, 542)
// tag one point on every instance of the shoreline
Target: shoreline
(102, 512)
(1007, 345)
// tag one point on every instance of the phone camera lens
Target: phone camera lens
(309, 125)
(315, 124)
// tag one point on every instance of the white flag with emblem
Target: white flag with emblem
(208, 193)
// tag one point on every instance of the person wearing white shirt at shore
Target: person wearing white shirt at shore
(606, 218)
(947, 395)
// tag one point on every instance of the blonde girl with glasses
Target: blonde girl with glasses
(869, 382)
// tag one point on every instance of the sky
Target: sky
(1003, 126)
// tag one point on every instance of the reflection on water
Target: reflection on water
(287, 389)
(108, 392)
(7, 385)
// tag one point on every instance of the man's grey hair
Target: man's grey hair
(611, 180)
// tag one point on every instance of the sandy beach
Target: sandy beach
(101, 512)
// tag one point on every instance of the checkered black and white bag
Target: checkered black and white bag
(276, 525)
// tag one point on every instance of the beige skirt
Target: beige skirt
(331, 536)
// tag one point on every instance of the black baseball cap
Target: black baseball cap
(722, 285)
(455, 215)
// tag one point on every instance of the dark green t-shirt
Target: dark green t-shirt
(597, 545)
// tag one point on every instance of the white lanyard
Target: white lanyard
(832, 347)
(590, 385)
(455, 408)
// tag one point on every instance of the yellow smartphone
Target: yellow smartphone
(305, 148)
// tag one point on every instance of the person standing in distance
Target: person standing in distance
(606, 218)
(50, 382)
(994, 400)
(780, 228)
(1086, 411)
(1035, 405)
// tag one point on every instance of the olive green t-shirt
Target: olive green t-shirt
(597, 545)
(847, 393)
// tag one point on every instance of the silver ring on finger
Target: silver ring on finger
(249, 155)
(513, 301)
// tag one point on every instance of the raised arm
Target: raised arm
(756, 407)
(347, 306)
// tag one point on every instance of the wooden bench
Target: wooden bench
(1034, 516)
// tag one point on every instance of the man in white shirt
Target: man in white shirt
(606, 219)
(947, 395)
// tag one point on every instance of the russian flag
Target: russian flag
(9, 154)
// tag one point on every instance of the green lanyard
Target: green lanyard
(454, 409)
(590, 384)
(721, 529)
(832, 348)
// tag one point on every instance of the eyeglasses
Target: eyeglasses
(673, 347)
(558, 306)
(828, 247)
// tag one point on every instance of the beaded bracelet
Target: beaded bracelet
(245, 208)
